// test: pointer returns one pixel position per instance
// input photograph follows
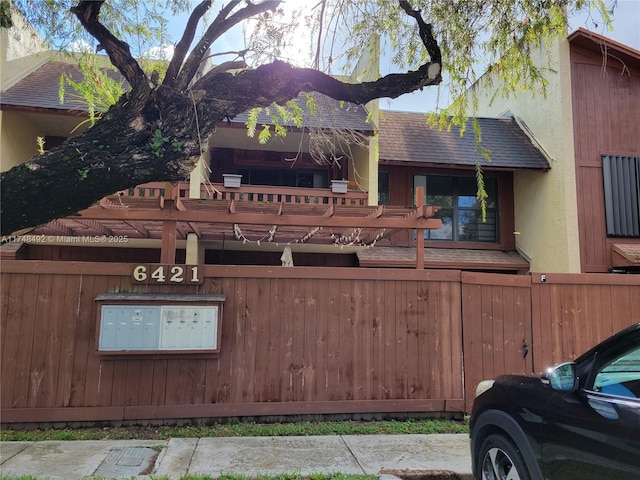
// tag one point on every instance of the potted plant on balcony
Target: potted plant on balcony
(339, 186)
(232, 180)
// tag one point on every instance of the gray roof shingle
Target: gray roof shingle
(40, 90)
(405, 137)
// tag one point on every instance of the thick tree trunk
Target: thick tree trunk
(153, 132)
(158, 140)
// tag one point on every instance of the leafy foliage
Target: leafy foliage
(96, 90)
(142, 25)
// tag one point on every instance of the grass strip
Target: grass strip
(242, 429)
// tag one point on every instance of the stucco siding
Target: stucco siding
(18, 140)
(545, 202)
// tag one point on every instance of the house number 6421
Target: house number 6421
(169, 274)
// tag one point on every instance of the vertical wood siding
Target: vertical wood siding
(311, 341)
(606, 114)
(298, 341)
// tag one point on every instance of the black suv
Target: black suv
(578, 420)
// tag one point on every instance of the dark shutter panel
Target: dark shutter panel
(621, 193)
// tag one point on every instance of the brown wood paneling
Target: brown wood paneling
(15, 285)
(496, 313)
(295, 340)
(606, 113)
(321, 341)
(572, 313)
(389, 322)
(296, 364)
(44, 324)
(332, 311)
(68, 340)
(27, 318)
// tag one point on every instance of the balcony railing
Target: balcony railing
(252, 193)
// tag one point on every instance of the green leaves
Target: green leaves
(280, 116)
(96, 91)
(157, 143)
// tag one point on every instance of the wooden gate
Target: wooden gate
(526, 323)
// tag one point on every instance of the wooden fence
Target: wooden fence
(296, 341)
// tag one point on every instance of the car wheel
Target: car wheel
(501, 460)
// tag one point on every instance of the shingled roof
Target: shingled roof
(39, 90)
(406, 138)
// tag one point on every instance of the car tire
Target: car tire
(500, 459)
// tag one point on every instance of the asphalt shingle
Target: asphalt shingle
(40, 90)
(405, 137)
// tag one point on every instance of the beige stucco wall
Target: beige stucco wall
(546, 212)
(365, 174)
(17, 142)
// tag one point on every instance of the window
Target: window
(621, 195)
(284, 177)
(620, 376)
(460, 211)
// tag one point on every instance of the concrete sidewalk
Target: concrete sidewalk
(353, 454)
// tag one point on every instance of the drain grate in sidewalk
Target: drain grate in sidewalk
(128, 461)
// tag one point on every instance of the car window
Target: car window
(621, 375)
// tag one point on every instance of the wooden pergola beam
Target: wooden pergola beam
(129, 215)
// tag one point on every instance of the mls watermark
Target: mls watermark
(48, 239)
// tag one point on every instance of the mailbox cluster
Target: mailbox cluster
(158, 327)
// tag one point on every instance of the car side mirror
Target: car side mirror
(562, 377)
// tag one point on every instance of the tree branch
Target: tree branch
(155, 136)
(426, 33)
(220, 25)
(118, 51)
(182, 47)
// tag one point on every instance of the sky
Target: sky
(626, 30)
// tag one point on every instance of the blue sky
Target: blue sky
(626, 30)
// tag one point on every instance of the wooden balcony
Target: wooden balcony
(252, 193)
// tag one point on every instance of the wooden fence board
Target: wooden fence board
(68, 340)
(310, 346)
(23, 357)
(296, 365)
(55, 307)
(390, 323)
(321, 360)
(42, 324)
(334, 359)
(378, 341)
(11, 337)
(261, 321)
(291, 344)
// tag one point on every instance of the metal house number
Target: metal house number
(167, 274)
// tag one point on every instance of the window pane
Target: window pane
(621, 376)
(468, 190)
(439, 191)
(471, 228)
(446, 231)
(460, 210)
